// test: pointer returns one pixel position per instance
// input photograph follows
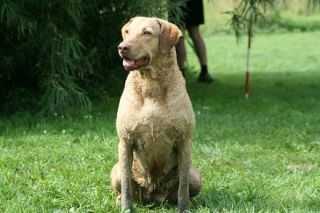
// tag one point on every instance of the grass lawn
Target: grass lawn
(260, 154)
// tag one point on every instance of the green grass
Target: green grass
(260, 154)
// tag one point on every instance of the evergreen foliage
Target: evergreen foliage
(56, 54)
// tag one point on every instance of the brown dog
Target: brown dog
(155, 119)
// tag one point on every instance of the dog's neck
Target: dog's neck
(153, 81)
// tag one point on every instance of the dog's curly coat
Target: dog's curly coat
(155, 119)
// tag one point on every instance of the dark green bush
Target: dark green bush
(57, 54)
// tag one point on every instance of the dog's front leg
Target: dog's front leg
(184, 164)
(125, 160)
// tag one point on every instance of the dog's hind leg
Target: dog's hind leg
(195, 185)
(116, 185)
(194, 182)
(116, 182)
(115, 179)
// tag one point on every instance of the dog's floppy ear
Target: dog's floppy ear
(124, 29)
(170, 34)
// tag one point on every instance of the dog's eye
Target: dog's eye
(126, 31)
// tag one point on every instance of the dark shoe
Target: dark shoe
(205, 78)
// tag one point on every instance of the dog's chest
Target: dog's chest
(155, 151)
(154, 136)
(155, 128)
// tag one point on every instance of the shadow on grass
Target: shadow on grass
(225, 200)
(283, 90)
(222, 200)
(269, 85)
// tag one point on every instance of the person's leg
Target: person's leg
(199, 44)
(201, 52)
(181, 55)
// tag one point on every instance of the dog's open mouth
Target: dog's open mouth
(133, 64)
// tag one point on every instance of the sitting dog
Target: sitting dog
(155, 119)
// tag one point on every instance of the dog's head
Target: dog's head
(145, 39)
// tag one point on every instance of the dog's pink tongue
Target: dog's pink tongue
(129, 64)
